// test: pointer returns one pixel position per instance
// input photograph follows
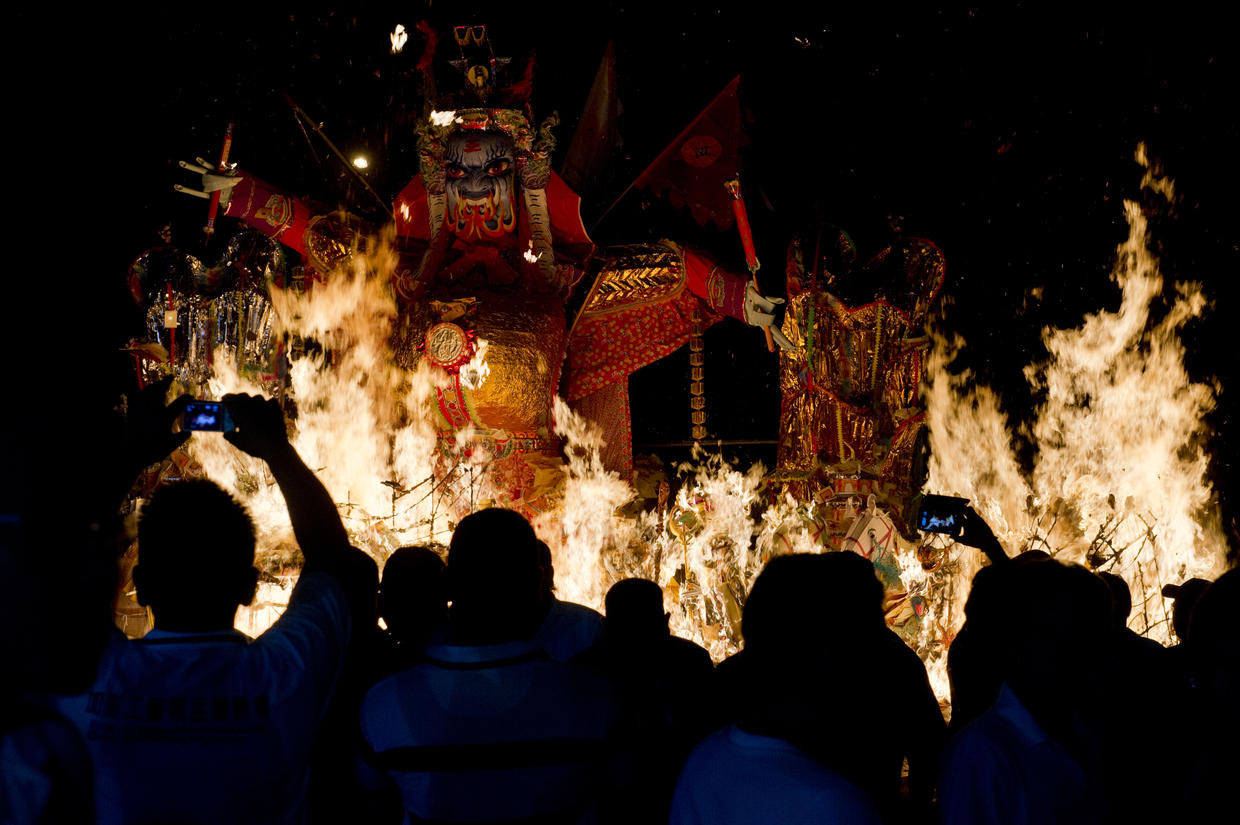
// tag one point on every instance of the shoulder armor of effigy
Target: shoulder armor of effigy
(632, 275)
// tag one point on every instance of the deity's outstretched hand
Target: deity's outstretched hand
(212, 181)
(760, 312)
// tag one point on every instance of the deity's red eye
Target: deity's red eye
(454, 171)
(498, 166)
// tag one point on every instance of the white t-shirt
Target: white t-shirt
(736, 778)
(214, 727)
(489, 732)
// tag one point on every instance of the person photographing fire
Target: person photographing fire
(196, 722)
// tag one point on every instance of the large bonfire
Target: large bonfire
(1118, 483)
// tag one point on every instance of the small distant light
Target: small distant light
(360, 162)
(404, 211)
(399, 38)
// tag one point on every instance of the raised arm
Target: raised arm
(321, 535)
(271, 211)
(975, 532)
(323, 239)
(731, 293)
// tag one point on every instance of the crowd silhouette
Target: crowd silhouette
(482, 697)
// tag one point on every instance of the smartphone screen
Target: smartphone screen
(941, 514)
(206, 415)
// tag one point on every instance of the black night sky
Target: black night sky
(1005, 136)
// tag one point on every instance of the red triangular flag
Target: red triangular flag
(588, 162)
(692, 169)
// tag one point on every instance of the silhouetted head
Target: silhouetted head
(634, 610)
(1059, 621)
(412, 598)
(989, 599)
(1185, 596)
(1214, 615)
(798, 599)
(494, 578)
(808, 622)
(783, 603)
(1214, 638)
(195, 557)
(854, 590)
(1121, 599)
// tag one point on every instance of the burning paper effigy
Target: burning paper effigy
(476, 351)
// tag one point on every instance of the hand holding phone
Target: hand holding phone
(942, 514)
(209, 416)
(260, 429)
(954, 517)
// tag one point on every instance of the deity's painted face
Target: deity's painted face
(479, 168)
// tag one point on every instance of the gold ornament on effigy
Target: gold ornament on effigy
(634, 275)
(850, 391)
(525, 338)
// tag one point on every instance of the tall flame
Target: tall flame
(1119, 481)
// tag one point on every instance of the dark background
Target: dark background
(1005, 136)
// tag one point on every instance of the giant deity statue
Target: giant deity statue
(502, 297)
(491, 250)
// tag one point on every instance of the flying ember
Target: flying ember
(399, 37)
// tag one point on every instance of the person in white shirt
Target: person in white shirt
(753, 771)
(488, 726)
(195, 722)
